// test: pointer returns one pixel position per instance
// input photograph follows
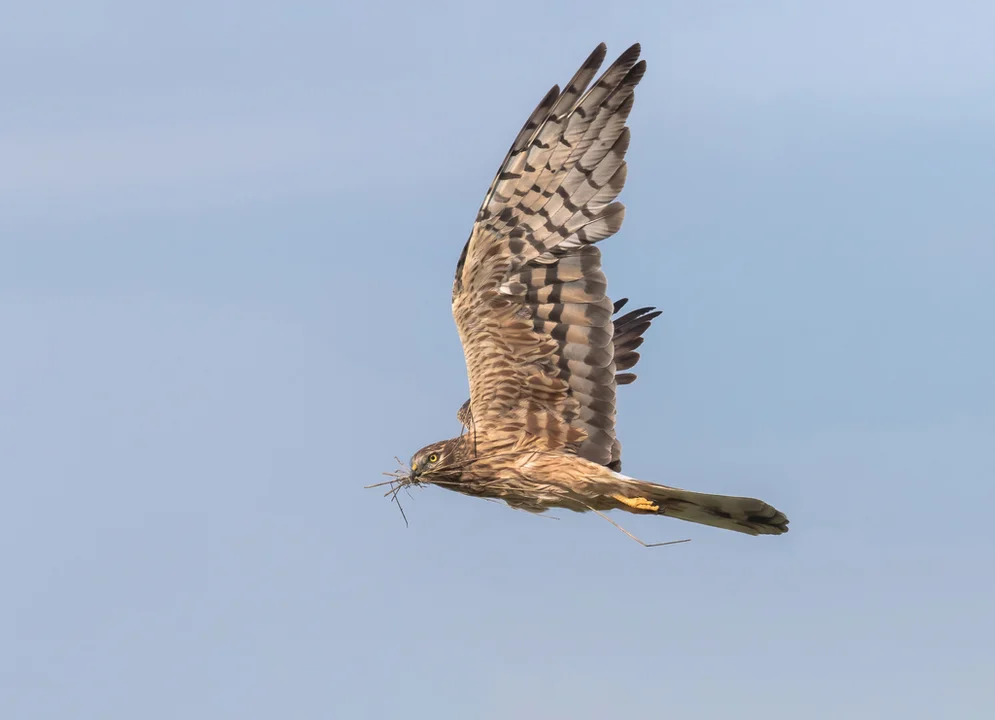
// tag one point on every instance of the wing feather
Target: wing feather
(529, 297)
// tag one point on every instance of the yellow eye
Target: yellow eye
(433, 458)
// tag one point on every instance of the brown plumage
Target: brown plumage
(543, 354)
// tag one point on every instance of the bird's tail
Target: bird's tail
(745, 515)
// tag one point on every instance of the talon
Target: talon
(639, 503)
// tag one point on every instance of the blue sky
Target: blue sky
(227, 237)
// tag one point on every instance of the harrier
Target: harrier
(542, 352)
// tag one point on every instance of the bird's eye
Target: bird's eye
(433, 458)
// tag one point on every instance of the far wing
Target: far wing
(529, 297)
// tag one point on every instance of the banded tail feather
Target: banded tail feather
(741, 514)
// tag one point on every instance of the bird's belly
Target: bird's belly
(535, 486)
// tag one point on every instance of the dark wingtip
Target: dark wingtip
(631, 53)
(636, 73)
(644, 314)
(597, 56)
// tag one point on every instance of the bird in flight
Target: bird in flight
(543, 353)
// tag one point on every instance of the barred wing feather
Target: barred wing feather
(529, 296)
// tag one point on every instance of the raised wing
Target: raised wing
(627, 336)
(529, 295)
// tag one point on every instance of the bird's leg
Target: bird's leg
(638, 503)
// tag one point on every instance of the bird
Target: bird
(544, 354)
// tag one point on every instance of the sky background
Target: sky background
(227, 238)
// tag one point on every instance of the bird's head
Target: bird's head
(440, 463)
(434, 458)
